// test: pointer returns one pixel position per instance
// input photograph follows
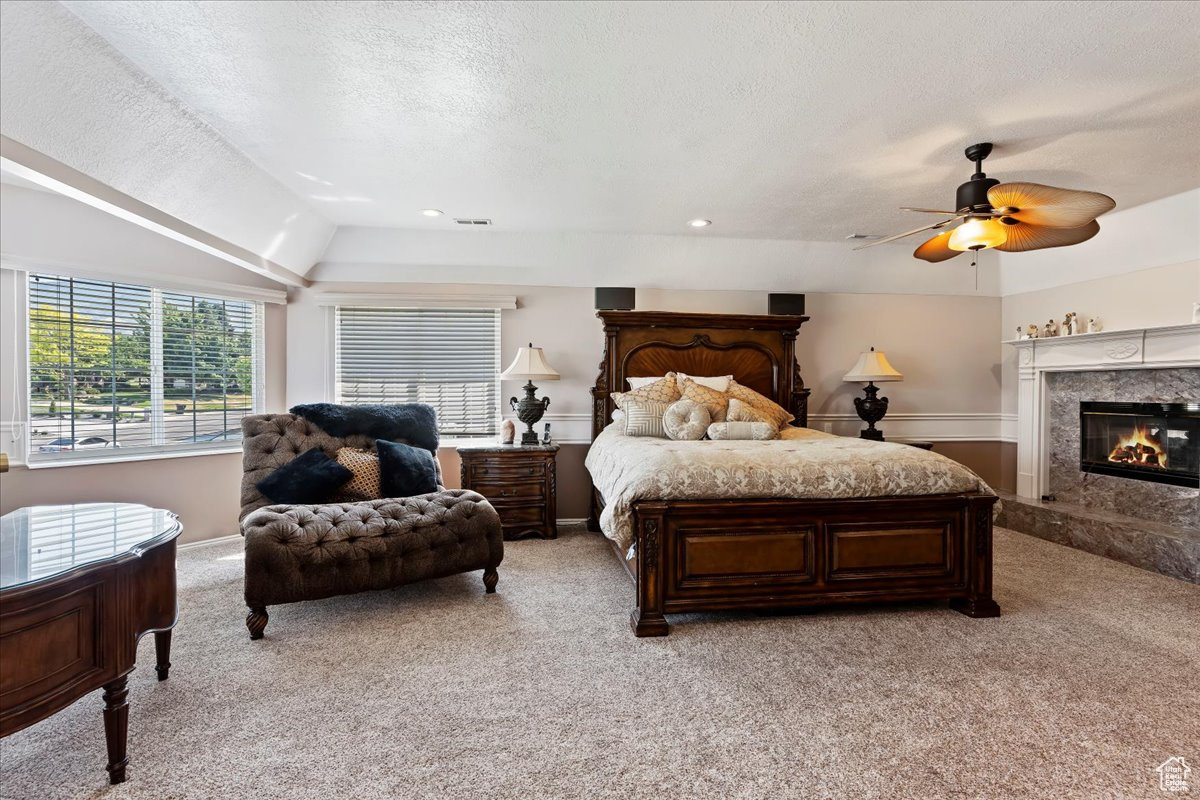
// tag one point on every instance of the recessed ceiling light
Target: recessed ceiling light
(431, 212)
(700, 223)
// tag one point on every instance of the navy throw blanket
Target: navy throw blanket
(415, 423)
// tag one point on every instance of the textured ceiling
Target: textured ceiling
(778, 121)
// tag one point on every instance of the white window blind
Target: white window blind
(117, 369)
(448, 358)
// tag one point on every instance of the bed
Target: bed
(806, 520)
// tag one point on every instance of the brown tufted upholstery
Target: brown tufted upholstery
(306, 552)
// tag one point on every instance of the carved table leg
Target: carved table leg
(116, 726)
(162, 653)
(490, 578)
(256, 622)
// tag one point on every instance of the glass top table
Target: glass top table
(41, 542)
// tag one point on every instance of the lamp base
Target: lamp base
(529, 410)
(871, 409)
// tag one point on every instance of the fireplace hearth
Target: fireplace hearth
(1157, 442)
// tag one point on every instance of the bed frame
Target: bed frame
(711, 555)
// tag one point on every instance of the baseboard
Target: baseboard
(207, 542)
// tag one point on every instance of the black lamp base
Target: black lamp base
(529, 410)
(871, 409)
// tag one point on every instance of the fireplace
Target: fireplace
(1158, 442)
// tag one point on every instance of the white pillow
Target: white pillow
(685, 420)
(742, 430)
(637, 383)
(718, 382)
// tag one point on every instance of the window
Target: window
(117, 369)
(448, 358)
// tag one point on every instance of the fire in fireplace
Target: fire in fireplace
(1157, 442)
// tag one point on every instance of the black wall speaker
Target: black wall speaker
(785, 304)
(614, 298)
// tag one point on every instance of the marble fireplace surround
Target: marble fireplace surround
(1175, 346)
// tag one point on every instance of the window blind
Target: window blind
(448, 358)
(119, 369)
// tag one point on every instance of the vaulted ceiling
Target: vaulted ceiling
(795, 121)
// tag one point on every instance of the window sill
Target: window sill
(83, 461)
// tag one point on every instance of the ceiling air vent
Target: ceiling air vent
(473, 221)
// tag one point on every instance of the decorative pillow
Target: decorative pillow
(645, 418)
(718, 382)
(742, 430)
(309, 478)
(405, 470)
(717, 402)
(365, 466)
(740, 411)
(663, 390)
(637, 383)
(773, 411)
(685, 420)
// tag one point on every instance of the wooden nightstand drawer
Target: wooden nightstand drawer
(522, 490)
(518, 481)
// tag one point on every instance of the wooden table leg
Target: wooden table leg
(162, 653)
(116, 726)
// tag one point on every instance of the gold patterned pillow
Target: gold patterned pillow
(716, 402)
(741, 411)
(365, 466)
(663, 390)
(761, 403)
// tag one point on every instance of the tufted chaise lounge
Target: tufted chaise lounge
(306, 552)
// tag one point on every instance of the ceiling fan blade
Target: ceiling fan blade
(928, 210)
(941, 224)
(937, 249)
(1049, 206)
(1022, 237)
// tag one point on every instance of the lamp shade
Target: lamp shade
(978, 234)
(872, 366)
(530, 365)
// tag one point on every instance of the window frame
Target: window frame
(110, 455)
(335, 303)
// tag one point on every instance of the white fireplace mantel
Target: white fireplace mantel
(1145, 348)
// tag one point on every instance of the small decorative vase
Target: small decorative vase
(508, 432)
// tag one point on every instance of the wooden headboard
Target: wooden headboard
(758, 350)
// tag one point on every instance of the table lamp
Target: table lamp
(529, 365)
(872, 366)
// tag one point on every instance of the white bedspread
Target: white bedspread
(802, 463)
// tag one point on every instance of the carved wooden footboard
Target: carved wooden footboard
(712, 555)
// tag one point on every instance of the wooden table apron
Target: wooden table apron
(78, 631)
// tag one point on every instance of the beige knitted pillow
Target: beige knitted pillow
(365, 466)
(645, 418)
(740, 411)
(773, 411)
(663, 390)
(716, 402)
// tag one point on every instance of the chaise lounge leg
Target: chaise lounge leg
(490, 578)
(256, 621)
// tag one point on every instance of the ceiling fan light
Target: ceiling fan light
(978, 234)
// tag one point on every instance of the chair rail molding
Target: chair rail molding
(1142, 348)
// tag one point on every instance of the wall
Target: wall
(950, 393)
(43, 228)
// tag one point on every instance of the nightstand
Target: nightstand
(914, 443)
(519, 481)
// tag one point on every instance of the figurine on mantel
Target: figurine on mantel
(1031, 332)
(1094, 325)
(1050, 330)
(508, 432)
(1070, 326)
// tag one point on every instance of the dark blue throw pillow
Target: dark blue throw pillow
(309, 478)
(405, 470)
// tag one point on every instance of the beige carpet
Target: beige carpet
(1086, 684)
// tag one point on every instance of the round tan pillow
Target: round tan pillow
(686, 420)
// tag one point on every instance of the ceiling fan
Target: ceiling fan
(1012, 217)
